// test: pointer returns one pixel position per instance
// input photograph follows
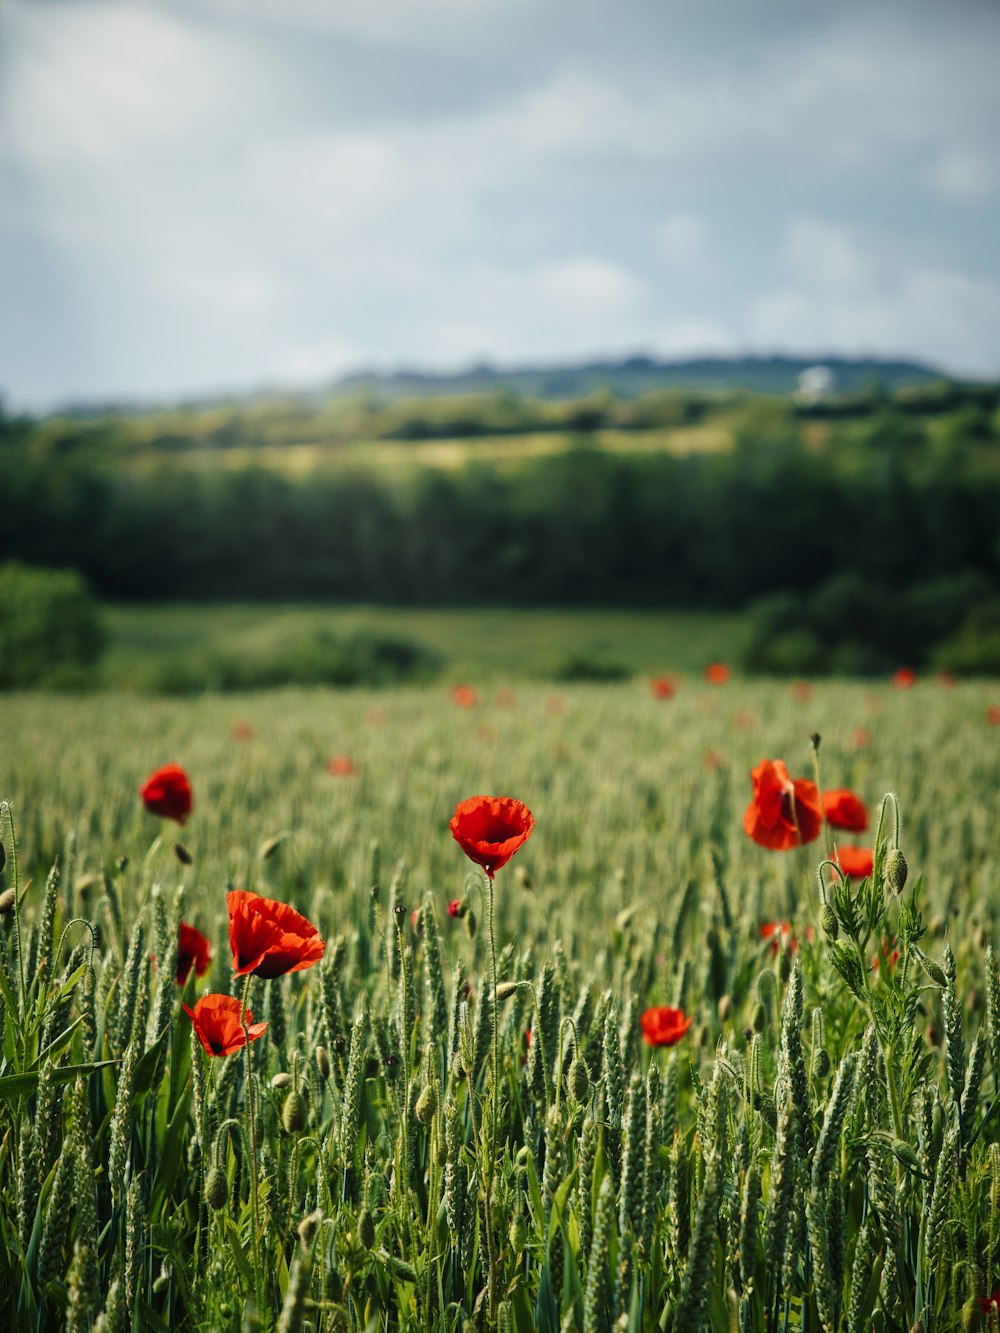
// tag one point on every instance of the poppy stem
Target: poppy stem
(254, 1202)
(814, 741)
(495, 1117)
(17, 890)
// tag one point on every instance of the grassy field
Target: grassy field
(482, 645)
(819, 1150)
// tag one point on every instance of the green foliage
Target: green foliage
(51, 632)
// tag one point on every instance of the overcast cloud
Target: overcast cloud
(227, 193)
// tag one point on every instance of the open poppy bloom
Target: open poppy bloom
(717, 673)
(904, 679)
(661, 687)
(269, 938)
(490, 829)
(167, 793)
(216, 1020)
(193, 950)
(782, 813)
(855, 862)
(845, 810)
(780, 935)
(342, 766)
(464, 696)
(663, 1026)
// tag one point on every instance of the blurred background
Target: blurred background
(360, 342)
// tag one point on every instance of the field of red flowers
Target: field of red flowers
(661, 1006)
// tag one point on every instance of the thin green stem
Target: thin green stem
(252, 1124)
(17, 906)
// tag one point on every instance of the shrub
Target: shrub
(51, 633)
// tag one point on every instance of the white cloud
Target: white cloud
(966, 176)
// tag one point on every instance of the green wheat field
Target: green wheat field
(819, 1150)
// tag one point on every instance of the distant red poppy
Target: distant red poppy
(990, 1304)
(782, 813)
(860, 737)
(904, 679)
(946, 679)
(456, 908)
(342, 766)
(416, 921)
(717, 673)
(662, 687)
(269, 938)
(242, 731)
(801, 691)
(845, 810)
(167, 793)
(464, 696)
(663, 1026)
(993, 715)
(193, 950)
(779, 933)
(490, 829)
(856, 862)
(889, 953)
(216, 1020)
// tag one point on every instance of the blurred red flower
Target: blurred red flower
(717, 673)
(801, 691)
(990, 1304)
(855, 862)
(464, 696)
(779, 933)
(860, 737)
(490, 829)
(712, 759)
(342, 766)
(993, 715)
(662, 687)
(663, 1026)
(242, 731)
(889, 953)
(167, 793)
(946, 679)
(845, 810)
(904, 679)
(193, 950)
(782, 813)
(506, 698)
(456, 908)
(216, 1020)
(269, 938)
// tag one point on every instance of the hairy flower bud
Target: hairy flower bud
(294, 1115)
(578, 1081)
(366, 1229)
(427, 1104)
(216, 1188)
(895, 870)
(829, 922)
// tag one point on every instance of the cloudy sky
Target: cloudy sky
(208, 194)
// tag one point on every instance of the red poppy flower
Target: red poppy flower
(801, 691)
(464, 696)
(845, 810)
(993, 715)
(889, 953)
(269, 938)
(490, 829)
(662, 687)
(780, 934)
(663, 1026)
(855, 862)
(860, 737)
(717, 673)
(216, 1020)
(904, 679)
(990, 1304)
(167, 793)
(242, 731)
(341, 766)
(193, 950)
(782, 813)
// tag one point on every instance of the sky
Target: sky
(200, 196)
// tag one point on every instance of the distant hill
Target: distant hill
(637, 375)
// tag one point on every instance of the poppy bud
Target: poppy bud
(895, 870)
(162, 1279)
(829, 922)
(767, 987)
(578, 1081)
(308, 1226)
(934, 971)
(294, 1115)
(366, 1229)
(323, 1062)
(506, 989)
(182, 854)
(216, 1189)
(3, 857)
(427, 1104)
(905, 1154)
(821, 1063)
(725, 1008)
(6, 902)
(457, 908)
(785, 964)
(759, 1020)
(518, 1234)
(470, 924)
(122, 862)
(281, 1080)
(399, 910)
